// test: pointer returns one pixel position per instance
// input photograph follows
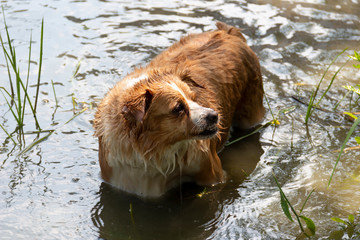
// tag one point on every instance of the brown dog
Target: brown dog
(164, 123)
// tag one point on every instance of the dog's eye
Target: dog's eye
(180, 107)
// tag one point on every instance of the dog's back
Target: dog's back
(226, 68)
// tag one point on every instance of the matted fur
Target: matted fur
(164, 123)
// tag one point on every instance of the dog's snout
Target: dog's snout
(212, 117)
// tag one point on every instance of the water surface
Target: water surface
(54, 191)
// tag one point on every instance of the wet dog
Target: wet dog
(164, 123)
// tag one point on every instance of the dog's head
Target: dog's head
(159, 113)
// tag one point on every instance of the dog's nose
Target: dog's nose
(212, 117)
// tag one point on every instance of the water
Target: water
(54, 191)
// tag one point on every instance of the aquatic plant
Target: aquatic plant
(17, 98)
(17, 95)
(287, 206)
(275, 122)
(355, 124)
(312, 105)
(348, 226)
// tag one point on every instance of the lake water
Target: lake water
(54, 190)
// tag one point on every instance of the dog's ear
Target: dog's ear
(138, 107)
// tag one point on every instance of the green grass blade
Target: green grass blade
(338, 103)
(313, 96)
(267, 102)
(27, 78)
(8, 134)
(310, 106)
(30, 104)
(12, 50)
(18, 92)
(12, 59)
(53, 87)
(248, 135)
(40, 64)
(35, 143)
(83, 110)
(352, 129)
(77, 68)
(7, 66)
(329, 86)
(288, 202)
(307, 198)
(9, 105)
(50, 132)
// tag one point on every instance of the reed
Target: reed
(18, 97)
(312, 105)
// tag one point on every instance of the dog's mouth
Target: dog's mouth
(207, 133)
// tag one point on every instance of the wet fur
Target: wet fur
(143, 147)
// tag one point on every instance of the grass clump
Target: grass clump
(312, 105)
(17, 97)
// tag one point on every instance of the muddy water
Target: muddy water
(54, 190)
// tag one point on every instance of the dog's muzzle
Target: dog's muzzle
(205, 121)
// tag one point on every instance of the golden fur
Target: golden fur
(164, 123)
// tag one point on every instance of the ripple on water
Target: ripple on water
(55, 191)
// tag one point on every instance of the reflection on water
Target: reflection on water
(186, 212)
(57, 183)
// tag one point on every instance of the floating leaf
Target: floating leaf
(310, 224)
(357, 139)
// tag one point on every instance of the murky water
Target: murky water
(54, 190)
